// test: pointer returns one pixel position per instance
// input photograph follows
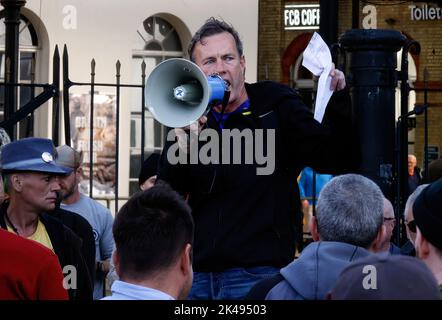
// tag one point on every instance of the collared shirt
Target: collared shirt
(243, 108)
(127, 291)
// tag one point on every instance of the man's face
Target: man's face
(218, 54)
(411, 162)
(39, 190)
(68, 184)
(389, 223)
(389, 220)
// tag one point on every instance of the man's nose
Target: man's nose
(220, 67)
(56, 184)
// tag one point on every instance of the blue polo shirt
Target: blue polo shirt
(245, 106)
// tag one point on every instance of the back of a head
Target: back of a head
(388, 209)
(411, 199)
(434, 170)
(427, 211)
(350, 210)
(386, 277)
(151, 230)
(211, 27)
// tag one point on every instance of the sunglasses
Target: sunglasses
(411, 225)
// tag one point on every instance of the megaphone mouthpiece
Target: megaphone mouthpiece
(190, 92)
(178, 92)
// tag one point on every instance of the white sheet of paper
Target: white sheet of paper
(317, 59)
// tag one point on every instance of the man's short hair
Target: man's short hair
(350, 210)
(151, 230)
(434, 170)
(211, 27)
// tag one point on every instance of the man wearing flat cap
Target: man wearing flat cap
(427, 211)
(30, 175)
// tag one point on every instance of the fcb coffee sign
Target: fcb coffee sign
(301, 17)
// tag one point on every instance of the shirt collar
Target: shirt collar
(127, 291)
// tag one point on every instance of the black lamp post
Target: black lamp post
(12, 23)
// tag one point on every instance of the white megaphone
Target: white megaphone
(178, 93)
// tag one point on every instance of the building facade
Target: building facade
(285, 28)
(274, 32)
(130, 32)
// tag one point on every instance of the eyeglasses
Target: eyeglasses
(411, 225)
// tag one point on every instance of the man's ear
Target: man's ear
(186, 260)
(78, 172)
(422, 245)
(242, 62)
(116, 261)
(379, 240)
(16, 182)
(313, 225)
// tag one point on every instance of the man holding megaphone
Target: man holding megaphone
(247, 221)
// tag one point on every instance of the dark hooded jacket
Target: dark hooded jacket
(82, 229)
(313, 274)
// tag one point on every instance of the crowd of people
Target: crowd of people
(220, 231)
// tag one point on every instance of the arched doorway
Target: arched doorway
(293, 73)
(159, 37)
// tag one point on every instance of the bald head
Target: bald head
(389, 224)
(408, 212)
(388, 209)
(411, 163)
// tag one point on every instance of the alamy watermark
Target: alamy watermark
(230, 146)
(69, 17)
(70, 277)
(370, 281)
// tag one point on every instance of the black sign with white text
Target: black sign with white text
(301, 17)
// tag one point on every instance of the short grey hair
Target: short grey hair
(388, 209)
(350, 210)
(412, 198)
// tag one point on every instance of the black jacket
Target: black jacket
(243, 219)
(67, 247)
(82, 229)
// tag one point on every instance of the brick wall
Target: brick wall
(270, 45)
(273, 41)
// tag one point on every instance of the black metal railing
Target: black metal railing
(50, 91)
(67, 84)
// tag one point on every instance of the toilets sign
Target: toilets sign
(301, 17)
(425, 12)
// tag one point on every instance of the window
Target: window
(157, 40)
(412, 76)
(28, 47)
